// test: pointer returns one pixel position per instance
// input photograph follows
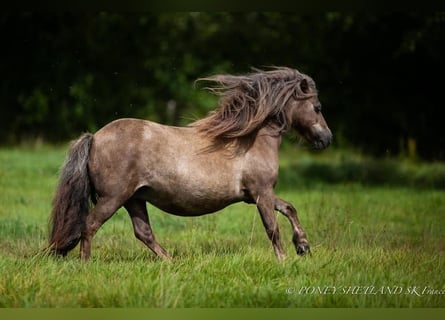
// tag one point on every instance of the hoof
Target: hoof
(303, 249)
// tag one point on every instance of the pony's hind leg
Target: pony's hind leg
(103, 211)
(138, 212)
(299, 236)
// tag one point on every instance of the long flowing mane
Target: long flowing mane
(248, 101)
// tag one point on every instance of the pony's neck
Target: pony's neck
(271, 134)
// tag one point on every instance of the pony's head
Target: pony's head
(281, 96)
(304, 112)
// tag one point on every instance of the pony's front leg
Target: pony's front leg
(299, 236)
(265, 205)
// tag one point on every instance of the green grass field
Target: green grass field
(377, 231)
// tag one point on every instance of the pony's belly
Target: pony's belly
(185, 203)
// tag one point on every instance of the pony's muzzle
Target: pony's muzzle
(321, 137)
(322, 143)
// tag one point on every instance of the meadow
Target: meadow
(376, 228)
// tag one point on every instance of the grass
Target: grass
(374, 244)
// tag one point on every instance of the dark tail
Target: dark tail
(72, 198)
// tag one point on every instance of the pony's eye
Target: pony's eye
(317, 108)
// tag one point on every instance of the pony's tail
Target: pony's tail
(72, 198)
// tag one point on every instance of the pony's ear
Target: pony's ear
(304, 86)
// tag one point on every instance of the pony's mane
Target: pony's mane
(249, 101)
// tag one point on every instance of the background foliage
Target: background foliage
(380, 76)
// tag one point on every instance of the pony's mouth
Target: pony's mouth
(321, 144)
(317, 137)
(321, 140)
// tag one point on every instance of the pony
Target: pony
(229, 156)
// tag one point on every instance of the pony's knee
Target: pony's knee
(287, 209)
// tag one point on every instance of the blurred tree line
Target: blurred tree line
(380, 76)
